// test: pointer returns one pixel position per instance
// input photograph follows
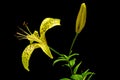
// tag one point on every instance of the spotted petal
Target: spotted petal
(33, 37)
(48, 23)
(27, 54)
(46, 49)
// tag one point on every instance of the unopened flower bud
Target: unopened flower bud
(81, 18)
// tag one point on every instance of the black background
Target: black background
(59, 38)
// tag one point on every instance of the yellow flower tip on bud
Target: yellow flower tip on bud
(51, 57)
(81, 18)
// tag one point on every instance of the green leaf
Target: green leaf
(65, 79)
(63, 56)
(66, 65)
(76, 77)
(86, 73)
(58, 60)
(74, 54)
(27, 54)
(72, 62)
(76, 68)
(89, 78)
(66, 57)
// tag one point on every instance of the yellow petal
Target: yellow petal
(46, 49)
(27, 54)
(33, 37)
(81, 18)
(36, 34)
(48, 23)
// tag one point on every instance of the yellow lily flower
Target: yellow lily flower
(41, 42)
(81, 18)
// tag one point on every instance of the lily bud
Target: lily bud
(81, 18)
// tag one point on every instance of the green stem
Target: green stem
(55, 51)
(61, 55)
(70, 68)
(73, 43)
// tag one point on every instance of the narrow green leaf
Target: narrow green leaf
(27, 54)
(58, 60)
(72, 62)
(66, 65)
(66, 57)
(86, 73)
(74, 54)
(65, 79)
(89, 78)
(76, 77)
(63, 57)
(76, 68)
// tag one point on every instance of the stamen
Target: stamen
(23, 31)
(25, 24)
(21, 34)
(20, 37)
(28, 30)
